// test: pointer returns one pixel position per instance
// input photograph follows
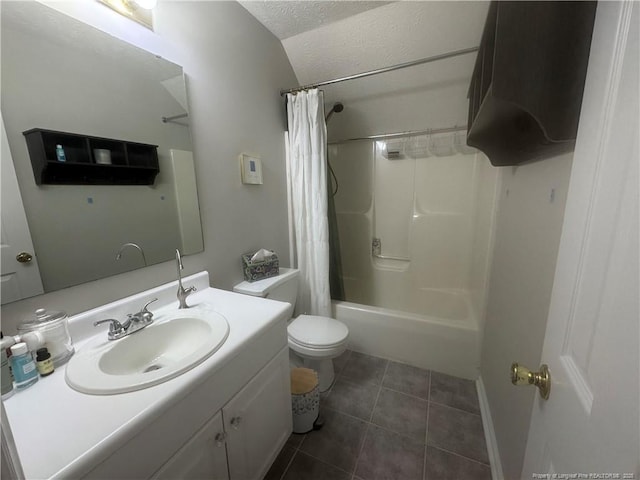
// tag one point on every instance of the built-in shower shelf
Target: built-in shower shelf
(391, 264)
(391, 257)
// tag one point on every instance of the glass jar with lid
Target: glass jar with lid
(54, 326)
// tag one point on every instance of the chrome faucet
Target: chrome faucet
(133, 323)
(183, 293)
(134, 245)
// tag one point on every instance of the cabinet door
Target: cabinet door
(258, 420)
(201, 457)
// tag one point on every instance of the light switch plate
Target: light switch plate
(251, 169)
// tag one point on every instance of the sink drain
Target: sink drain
(151, 368)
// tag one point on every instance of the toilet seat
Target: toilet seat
(315, 332)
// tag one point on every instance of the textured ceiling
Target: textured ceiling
(326, 40)
(289, 18)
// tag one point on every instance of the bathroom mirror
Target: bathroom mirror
(61, 74)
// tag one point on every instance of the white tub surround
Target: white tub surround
(415, 237)
(62, 433)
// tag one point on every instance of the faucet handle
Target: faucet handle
(115, 327)
(144, 309)
(145, 314)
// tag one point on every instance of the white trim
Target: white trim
(481, 316)
(580, 384)
(489, 432)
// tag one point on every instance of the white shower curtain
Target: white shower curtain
(307, 190)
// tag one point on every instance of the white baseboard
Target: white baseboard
(489, 432)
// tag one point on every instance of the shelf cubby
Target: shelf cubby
(132, 163)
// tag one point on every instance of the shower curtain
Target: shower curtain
(307, 188)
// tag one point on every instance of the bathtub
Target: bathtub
(446, 340)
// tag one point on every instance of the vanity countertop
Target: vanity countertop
(62, 433)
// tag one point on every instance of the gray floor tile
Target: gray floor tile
(457, 431)
(392, 446)
(308, 468)
(295, 439)
(364, 369)
(407, 379)
(341, 361)
(280, 464)
(454, 392)
(352, 399)
(402, 414)
(338, 442)
(441, 465)
(387, 455)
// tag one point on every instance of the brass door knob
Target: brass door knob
(24, 257)
(524, 376)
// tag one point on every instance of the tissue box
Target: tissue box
(269, 267)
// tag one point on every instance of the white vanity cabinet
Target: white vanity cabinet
(258, 421)
(203, 456)
(252, 426)
(224, 419)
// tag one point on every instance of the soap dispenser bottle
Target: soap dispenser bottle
(23, 366)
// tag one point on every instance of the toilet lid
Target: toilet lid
(314, 331)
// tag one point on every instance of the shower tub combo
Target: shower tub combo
(414, 231)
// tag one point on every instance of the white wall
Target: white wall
(527, 237)
(235, 69)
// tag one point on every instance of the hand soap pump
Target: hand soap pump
(23, 366)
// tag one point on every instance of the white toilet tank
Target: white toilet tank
(283, 287)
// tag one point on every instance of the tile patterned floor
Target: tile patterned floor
(385, 420)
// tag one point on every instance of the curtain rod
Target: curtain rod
(442, 56)
(403, 134)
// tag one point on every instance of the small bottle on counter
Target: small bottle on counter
(25, 373)
(44, 362)
(60, 154)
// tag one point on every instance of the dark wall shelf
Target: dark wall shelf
(527, 84)
(131, 163)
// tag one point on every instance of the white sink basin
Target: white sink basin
(177, 341)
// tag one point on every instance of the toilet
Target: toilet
(313, 340)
